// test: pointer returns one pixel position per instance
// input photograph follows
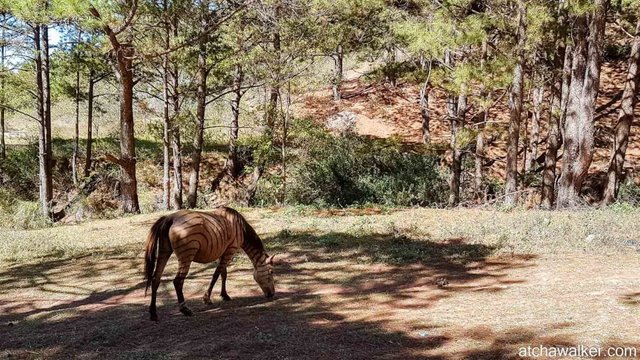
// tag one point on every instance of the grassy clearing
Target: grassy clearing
(400, 235)
(361, 286)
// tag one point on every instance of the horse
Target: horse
(203, 237)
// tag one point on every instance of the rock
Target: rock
(343, 122)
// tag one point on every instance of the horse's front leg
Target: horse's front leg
(207, 295)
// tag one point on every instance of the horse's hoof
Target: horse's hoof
(185, 310)
(206, 299)
(154, 317)
(225, 297)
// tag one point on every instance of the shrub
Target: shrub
(629, 193)
(20, 214)
(19, 172)
(354, 170)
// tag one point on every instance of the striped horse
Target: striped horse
(203, 237)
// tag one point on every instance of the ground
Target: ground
(350, 284)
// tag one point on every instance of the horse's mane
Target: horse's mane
(251, 238)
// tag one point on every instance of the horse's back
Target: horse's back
(204, 236)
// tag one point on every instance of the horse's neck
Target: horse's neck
(255, 255)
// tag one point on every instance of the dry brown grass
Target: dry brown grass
(349, 286)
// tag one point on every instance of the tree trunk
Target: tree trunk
(337, 73)
(3, 151)
(176, 144)
(129, 184)
(3, 147)
(456, 165)
(76, 134)
(201, 104)
(272, 109)
(559, 99)
(285, 127)
(515, 107)
(177, 168)
(41, 44)
(166, 126)
(123, 55)
(424, 112)
(625, 119)
(233, 165)
(390, 61)
(479, 193)
(537, 97)
(578, 128)
(553, 143)
(479, 161)
(87, 164)
(46, 77)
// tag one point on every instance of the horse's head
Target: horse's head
(263, 275)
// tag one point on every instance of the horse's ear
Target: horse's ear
(270, 259)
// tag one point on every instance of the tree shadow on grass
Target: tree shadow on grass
(339, 296)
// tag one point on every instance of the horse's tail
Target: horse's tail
(159, 232)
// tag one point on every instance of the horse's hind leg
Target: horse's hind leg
(223, 291)
(183, 270)
(161, 262)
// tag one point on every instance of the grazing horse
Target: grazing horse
(203, 237)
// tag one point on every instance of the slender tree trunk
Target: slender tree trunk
(87, 164)
(553, 143)
(424, 112)
(166, 126)
(42, 133)
(515, 107)
(625, 119)
(482, 118)
(537, 97)
(559, 99)
(233, 165)
(201, 104)
(479, 160)
(46, 77)
(390, 60)
(41, 43)
(578, 128)
(456, 166)
(177, 168)
(337, 73)
(176, 144)
(76, 134)
(285, 128)
(3, 147)
(166, 120)
(272, 110)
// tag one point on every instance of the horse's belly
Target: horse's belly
(203, 256)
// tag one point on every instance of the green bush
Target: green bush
(19, 172)
(20, 214)
(327, 170)
(629, 193)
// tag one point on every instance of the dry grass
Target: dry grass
(348, 287)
